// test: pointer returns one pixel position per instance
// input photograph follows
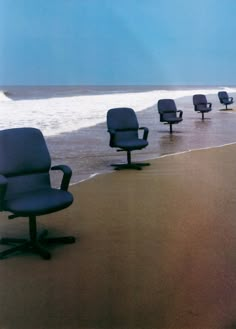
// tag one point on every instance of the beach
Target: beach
(155, 248)
(73, 121)
(88, 153)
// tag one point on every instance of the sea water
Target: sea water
(67, 109)
(73, 120)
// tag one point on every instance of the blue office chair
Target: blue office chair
(225, 99)
(122, 124)
(25, 188)
(201, 105)
(169, 113)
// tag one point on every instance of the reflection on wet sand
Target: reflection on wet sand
(87, 150)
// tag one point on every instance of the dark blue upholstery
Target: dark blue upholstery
(39, 202)
(122, 124)
(225, 99)
(23, 151)
(122, 118)
(25, 188)
(25, 162)
(168, 112)
(201, 104)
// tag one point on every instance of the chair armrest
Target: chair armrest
(180, 113)
(3, 188)
(112, 133)
(67, 173)
(231, 99)
(209, 104)
(145, 132)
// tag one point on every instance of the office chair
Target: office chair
(25, 188)
(201, 105)
(225, 99)
(169, 113)
(123, 127)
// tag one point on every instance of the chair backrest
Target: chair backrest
(167, 109)
(122, 118)
(199, 99)
(24, 160)
(222, 95)
(166, 105)
(123, 121)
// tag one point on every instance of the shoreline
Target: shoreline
(155, 249)
(156, 158)
(87, 150)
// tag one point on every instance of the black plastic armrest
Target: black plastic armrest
(180, 113)
(67, 173)
(112, 133)
(145, 132)
(3, 188)
(209, 104)
(231, 99)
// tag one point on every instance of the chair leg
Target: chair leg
(202, 115)
(130, 164)
(171, 130)
(35, 243)
(226, 107)
(22, 247)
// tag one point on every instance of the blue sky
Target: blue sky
(117, 42)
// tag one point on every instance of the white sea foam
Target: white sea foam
(65, 114)
(3, 96)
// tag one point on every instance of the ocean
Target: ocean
(57, 110)
(73, 120)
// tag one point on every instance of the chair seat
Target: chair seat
(228, 102)
(39, 202)
(173, 120)
(130, 145)
(203, 109)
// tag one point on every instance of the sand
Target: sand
(155, 249)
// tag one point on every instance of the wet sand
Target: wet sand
(155, 249)
(87, 150)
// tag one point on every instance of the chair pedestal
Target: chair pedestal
(226, 107)
(171, 128)
(129, 164)
(35, 244)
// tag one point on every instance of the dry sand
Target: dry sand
(156, 249)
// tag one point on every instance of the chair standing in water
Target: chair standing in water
(123, 127)
(201, 105)
(225, 99)
(169, 113)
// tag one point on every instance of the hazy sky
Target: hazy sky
(111, 42)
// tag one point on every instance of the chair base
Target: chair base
(35, 244)
(129, 164)
(171, 125)
(132, 165)
(203, 114)
(226, 109)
